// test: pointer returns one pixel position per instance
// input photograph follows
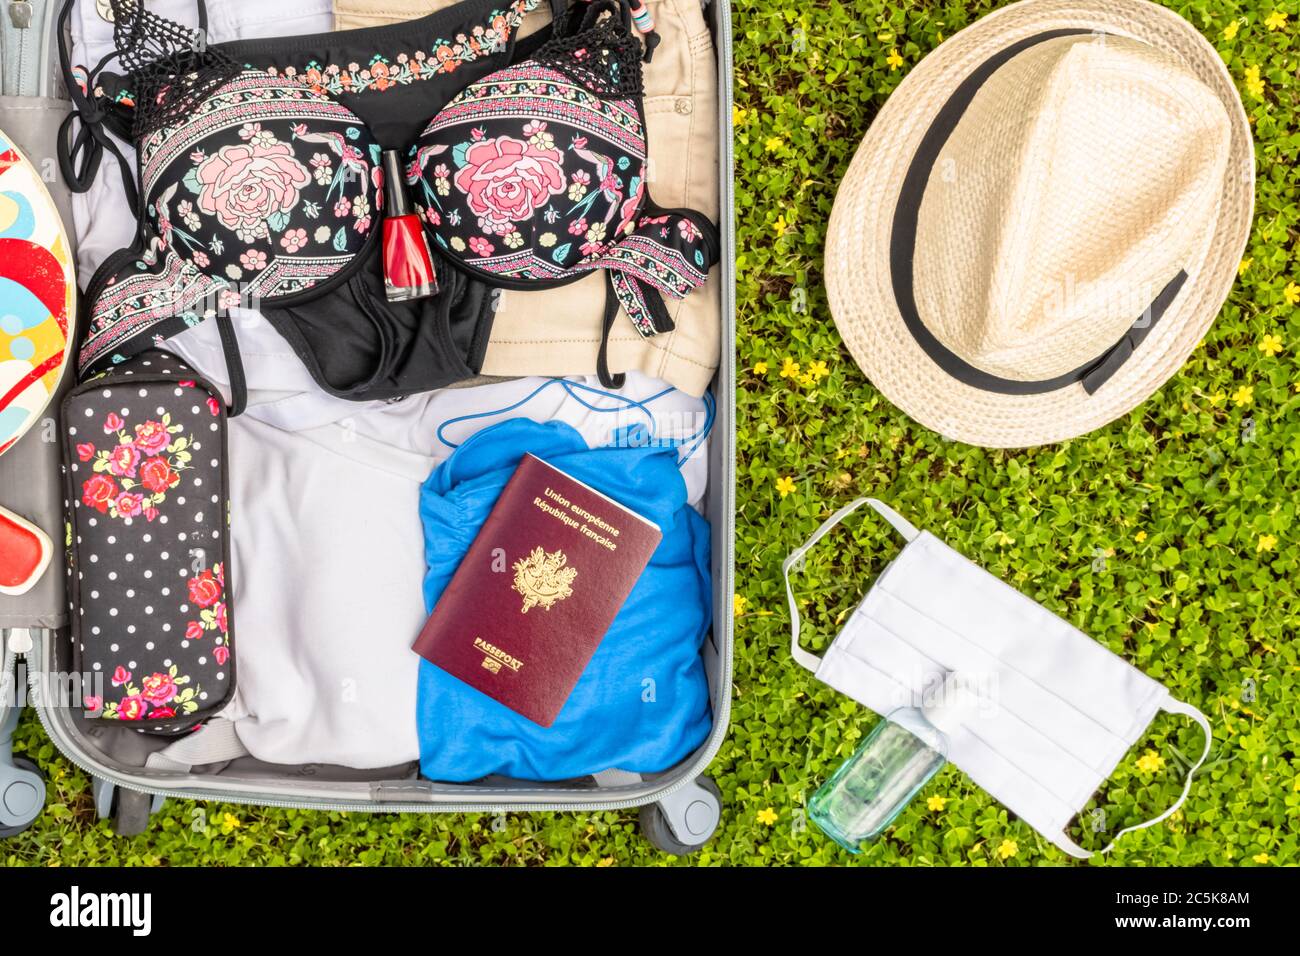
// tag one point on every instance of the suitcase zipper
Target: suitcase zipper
(361, 806)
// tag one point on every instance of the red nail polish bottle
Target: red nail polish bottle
(408, 266)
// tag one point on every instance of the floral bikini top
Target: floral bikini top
(260, 180)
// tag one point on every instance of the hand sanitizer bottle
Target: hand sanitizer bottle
(897, 759)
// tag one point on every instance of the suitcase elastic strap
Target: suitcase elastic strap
(214, 742)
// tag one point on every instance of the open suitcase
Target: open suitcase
(680, 807)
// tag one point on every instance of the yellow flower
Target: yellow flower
(738, 115)
(936, 803)
(818, 369)
(739, 602)
(1291, 293)
(790, 368)
(230, 822)
(1260, 858)
(760, 368)
(606, 861)
(1254, 85)
(780, 226)
(773, 143)
(1217, 398)
(784, 485)
(1267, 542)
(1140, 537)
(1231, 29)
(1244, 395)
(1008, 849)
(1275, 20)
(767, 816)
(1150, 762)
(894, 60)
(1245, 264)
(1270, 345)
(807, 379)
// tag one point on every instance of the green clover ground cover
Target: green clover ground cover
(1168, 536)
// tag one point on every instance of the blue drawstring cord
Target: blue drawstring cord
(574, 388)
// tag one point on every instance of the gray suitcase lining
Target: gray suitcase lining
(118, 754)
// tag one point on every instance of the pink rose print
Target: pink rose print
(129, 505)
(85, 451)
(254, 260)
(221, 655)
(214, 406)
(219, 615)
(204, 589)
(157, 476)
(151, 437)
(93, 703)
(244, 185)
(123, 459)
(150, 513)
(193, 631)
(120, 676)
(131, 708)
(157, 688)
(160, 713)
(186, 383)
(98, 491)
(294, 239)
(112, 423)
(480, 246)
(507, 180)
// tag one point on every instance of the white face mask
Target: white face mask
(1058, 711)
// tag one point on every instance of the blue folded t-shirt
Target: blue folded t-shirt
(642, 704)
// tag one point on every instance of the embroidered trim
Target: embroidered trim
(525, 93)
(252, 97)
(387, 72)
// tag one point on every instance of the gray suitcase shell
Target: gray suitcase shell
(680, 806)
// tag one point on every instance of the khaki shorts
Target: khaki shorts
(557, 331)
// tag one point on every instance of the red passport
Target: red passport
(537, 590)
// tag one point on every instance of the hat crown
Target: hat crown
(1083, 176)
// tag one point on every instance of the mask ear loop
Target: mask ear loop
(1171, 706)
(900, 524)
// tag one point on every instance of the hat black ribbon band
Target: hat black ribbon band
(902, 247)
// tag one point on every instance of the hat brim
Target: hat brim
(858, 278)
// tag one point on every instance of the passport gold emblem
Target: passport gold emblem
(543, 578)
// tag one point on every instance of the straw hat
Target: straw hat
(1043, 220)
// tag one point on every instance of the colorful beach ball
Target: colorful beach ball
(38, 290)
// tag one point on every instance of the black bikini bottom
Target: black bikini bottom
(357, 345)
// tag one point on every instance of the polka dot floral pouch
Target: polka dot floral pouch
(148, 551)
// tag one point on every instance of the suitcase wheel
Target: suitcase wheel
(22, 795)
(685, 820)
(129, 810)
